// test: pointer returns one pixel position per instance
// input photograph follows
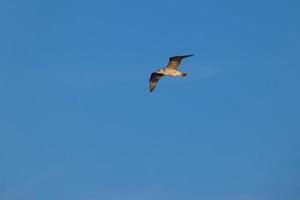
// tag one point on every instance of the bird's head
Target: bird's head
(160, 71)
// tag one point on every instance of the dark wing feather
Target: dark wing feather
(174, 61)
(153, 80)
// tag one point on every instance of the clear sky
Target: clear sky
(77, 120)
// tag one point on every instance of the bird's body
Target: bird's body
(169, 70)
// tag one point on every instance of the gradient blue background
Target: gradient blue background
(77, 120)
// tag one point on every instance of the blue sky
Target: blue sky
(78, 121)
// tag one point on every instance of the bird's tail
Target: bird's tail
(183, 74)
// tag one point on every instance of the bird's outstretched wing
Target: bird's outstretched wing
(154, 78)
(174, 61)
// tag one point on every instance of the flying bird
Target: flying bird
(169, 70)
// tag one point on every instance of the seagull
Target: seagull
(169, 70)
